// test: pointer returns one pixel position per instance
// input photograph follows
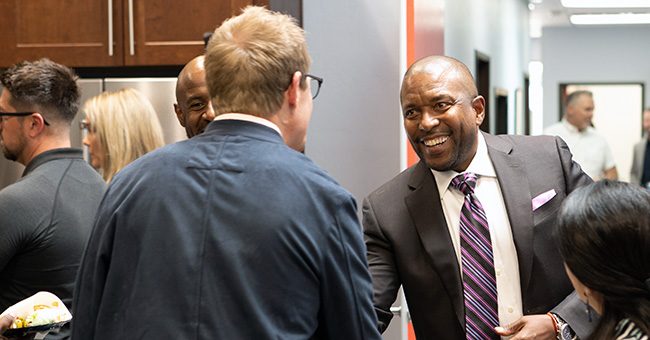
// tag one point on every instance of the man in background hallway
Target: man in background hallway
(415, 228)
(589, 148)
(640, 171)
(47, 215)
(234, 233)
(193, 108)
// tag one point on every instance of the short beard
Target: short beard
(12, 155)
(8, 154)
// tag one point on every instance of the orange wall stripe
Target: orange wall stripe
(411, 157)
(411, 332)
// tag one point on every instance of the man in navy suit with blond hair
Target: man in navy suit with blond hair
(234, 233)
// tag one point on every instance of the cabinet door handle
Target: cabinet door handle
(110, 28)
(131, 39)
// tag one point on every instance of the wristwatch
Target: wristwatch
(564, 330)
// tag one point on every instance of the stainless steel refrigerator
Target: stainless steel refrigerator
(160, 91)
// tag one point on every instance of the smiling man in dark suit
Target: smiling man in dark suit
(467, 231)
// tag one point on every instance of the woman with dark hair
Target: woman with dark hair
(604, 237)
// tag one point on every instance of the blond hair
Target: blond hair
(251, 59)
(126, 125)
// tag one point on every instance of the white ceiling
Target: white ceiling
(551, 13)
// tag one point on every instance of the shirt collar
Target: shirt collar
(249, 118)
(49, 155)
(480, 165)
(570, 127)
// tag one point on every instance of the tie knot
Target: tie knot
(465, 183)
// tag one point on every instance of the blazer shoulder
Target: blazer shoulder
(398, 185)
(520, 140)
(528, 145)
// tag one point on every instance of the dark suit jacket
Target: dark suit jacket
(228, 235)
(409, 244)
(638, 157)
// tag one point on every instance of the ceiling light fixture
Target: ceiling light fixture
(606, 3)
(610, 19)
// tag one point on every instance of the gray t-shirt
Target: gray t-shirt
(45, 222)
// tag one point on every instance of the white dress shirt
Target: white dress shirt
(248, 118)
(589, 148)
(506, 265)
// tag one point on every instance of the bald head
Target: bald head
(191, 74)
(193, 108)
(442, 68)
(442, 111)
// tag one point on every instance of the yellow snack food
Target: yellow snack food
(41, 315)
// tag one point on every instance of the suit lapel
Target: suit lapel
(432, 228)
(513, 182)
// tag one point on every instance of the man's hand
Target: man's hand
(529, 327)
(5, 323)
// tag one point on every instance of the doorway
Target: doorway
(526, 117)
(501, 109)
(483, 85)
(618, 114)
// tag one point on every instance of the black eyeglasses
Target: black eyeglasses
(314, 83)
(21, 114)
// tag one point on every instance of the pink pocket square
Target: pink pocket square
(542, 198)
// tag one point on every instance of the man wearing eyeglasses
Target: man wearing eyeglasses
(234, 233)
(46, 216)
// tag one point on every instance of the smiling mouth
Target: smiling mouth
(435, 141)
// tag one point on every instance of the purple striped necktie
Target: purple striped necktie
(479, 281)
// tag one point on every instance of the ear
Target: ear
(36, 124)
(478, 104)
(179, 114)
(294, 91)
(569, 109)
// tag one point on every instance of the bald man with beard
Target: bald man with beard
(193, 108)
(476, 208)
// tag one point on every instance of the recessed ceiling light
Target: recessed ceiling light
(606, 3)
(610, 19)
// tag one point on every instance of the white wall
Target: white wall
(497, 28)
(355, 127)
(592, 55)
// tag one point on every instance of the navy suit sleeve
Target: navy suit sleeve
(93, 270)
(572, 310)
(346, 288)
(381, 261)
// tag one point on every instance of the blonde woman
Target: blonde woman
(120, 127)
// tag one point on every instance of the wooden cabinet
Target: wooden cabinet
(73, 32)
(95, 33)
